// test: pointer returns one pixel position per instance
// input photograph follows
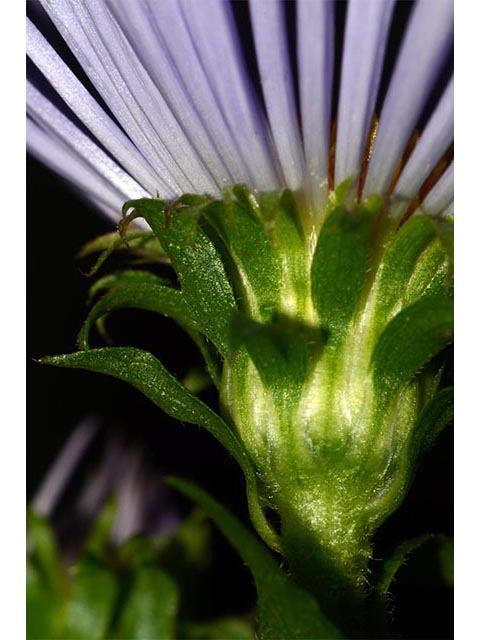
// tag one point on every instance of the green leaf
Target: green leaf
(147, 374)
(222, 629)
(194, 538)
(89, 610)
(436, 415)
(339, 267)
(42, 605)
(150, 609)
(139, 550)
(188, 551)
(43, 550)
(127, 276)
(107, 240)
(409, 254)
(282, 352)
(46, 581)
(444, 230)
(410, 340)
(430, 566)
(196, 380)
(444, 559)
(196, 260)
(141, 243)
(244, 235)
(290, 245)
(187, 557)
(209, 353)
(99, 539)
(285, 610)
(400, 259)
(431, 276)
(138, 295)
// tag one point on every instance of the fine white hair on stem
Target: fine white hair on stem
(171, 101)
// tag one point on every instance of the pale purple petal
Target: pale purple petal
(190, 99)
(106, 477)
(426, 43)
(64, 466)
(52, 120)
(75, 95)
(366, 33)
(448, 211)
(433, 143)
(103, 74)
(214, 36)
(128, 519)
(62, 159)
(101, 48)
(440, 197)
(269, 30)
(173, 74)
(143, 96)
(315, 55)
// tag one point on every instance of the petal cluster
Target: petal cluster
(144, 97)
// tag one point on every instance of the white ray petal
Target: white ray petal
(441, 196)
(212, 33)
(64, 466)
(80, 101)
(197, 111)
(52, 120)
(128, 518)
(142, 95)
(63, 160)
(426, 43)
(448, 211)
(102, 50)
(110, 85)
(315, 53)
(433, 143)
(113, 466)
(269, 30)
(366, 33)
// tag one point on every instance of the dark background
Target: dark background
(59, 223)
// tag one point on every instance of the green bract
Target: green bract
(328, 349)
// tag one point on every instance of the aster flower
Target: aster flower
(117, 541)
(307, 218)
(122, 472)
(163, 116)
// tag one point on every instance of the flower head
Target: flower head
(169, 102)
(122, 473)
(321, 305)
